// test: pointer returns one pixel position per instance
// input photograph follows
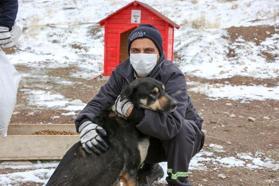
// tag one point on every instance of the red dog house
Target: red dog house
(119, 25)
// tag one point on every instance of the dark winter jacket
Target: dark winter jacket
(160, 125)
(8, 12)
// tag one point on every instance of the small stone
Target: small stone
(223, 176)
(228, 142)
(276, 108)
(212, 121)
(266, 118)
(55, 117)
(251, 119)
(232, 115)
(227, 114)
(30, 114)
(241, 116)
(228, 104)
(205, 180)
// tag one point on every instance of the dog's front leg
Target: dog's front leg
(127, 180)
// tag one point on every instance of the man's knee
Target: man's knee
(187, 134)
(190, 137)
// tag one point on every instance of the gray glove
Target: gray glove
(91, 138)
(121, 106)
(9, 38)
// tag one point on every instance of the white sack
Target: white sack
(9, 80)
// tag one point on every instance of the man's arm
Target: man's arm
(104, 99)
(8, 12)
(165, 125)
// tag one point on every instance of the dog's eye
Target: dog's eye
(154, 93)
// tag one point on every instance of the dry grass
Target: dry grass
(268, 56)
(96, 32)
(195, 1)
(202, 22)
(11, 50)
(62, 72)
(53, 132)
(234, 6)
(79, 46)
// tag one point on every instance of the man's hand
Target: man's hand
(9, 38)
(6, 40)
(91, 138)
(123, 107)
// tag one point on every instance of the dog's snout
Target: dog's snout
(167, 103)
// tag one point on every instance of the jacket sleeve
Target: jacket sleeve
(165, 125)
(102, 101)
(8, 12)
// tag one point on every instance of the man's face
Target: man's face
(144, 45)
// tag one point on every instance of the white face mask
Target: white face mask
(142, 63)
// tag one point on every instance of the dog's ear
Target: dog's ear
(126, 92)
(129, 89)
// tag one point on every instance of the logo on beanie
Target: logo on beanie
(138, 34)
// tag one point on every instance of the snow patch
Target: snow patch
(231, 162)
(241, 92)
(203, 53)
(48, 99)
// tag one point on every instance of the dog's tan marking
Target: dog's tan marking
(159, 104)
(126, 180)
(143, 147)
(163, 101)
(155, 106)
(143, 102)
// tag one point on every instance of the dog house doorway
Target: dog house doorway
(124, 45)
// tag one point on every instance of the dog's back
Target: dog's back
(74, 169)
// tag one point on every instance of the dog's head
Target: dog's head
(150, 94)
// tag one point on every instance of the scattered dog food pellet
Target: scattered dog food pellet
(251, 119)
(53, 132)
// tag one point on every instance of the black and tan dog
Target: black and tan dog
(120, 163)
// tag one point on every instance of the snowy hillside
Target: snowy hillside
(64, 33)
